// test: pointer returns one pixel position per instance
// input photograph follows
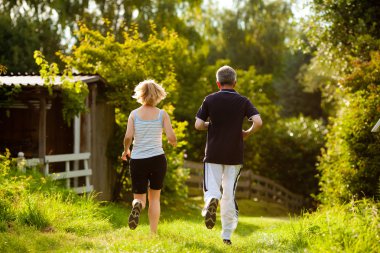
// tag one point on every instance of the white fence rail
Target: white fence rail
(68, 173)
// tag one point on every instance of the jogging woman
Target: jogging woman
(148, 161)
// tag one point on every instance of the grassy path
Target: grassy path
(37, 215)
(181, 230)
(262, 227)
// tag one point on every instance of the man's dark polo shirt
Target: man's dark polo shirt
(226, 110)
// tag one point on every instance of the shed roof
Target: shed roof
(36, 80)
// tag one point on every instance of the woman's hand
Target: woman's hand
(126, 154)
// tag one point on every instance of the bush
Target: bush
(285, 149)
(287, 152)
(350, 163)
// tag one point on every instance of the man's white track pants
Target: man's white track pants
(225, 176)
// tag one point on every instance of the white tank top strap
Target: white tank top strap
(135, 115)
(161, 117)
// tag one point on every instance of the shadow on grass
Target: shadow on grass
(118, 213)
(190, 210)
(246, 229)
(202, 247)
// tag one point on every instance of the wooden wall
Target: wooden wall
(103, 174)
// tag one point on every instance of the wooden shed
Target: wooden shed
(32, 123)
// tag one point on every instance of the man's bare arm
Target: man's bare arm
(200, 124)
(256, 125)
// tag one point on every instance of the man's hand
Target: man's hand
(126, 154)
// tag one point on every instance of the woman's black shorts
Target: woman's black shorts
(146, 171)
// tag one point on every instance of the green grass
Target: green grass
(37, 215)
(336, 229)
(181, 230)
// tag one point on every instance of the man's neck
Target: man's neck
(227, 87)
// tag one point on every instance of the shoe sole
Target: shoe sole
(227, 242)
(210, 217)
(133, 220)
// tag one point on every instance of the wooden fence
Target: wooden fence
(250, 186)
(68, 173)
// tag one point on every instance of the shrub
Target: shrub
(350, 163)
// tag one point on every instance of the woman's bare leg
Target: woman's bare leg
(154, 209)
(141, 198)
(137, 205)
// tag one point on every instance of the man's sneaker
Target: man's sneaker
(133, 220)
(226, 241)
(210, 217)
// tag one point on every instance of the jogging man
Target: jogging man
(222, 114)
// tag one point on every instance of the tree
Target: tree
(29, 25)
(20, 37)
(257, 33)
(123, 65)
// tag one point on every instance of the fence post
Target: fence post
(67, 169)
(21, 162)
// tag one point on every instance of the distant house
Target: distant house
(33, 124)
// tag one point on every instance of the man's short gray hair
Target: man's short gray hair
(226, 75)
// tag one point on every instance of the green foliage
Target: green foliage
(33, 215)
(20, 36)
(123, 65)
(176, 175)
(6, 212)
(346, 28)
(352, 227)
(253, 34)
(81, 223)
(350, 164)
(74, 93)
(295, 141)
(33, 200)
(337, 32)
(3, 69)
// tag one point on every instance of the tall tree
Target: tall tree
(20, 37)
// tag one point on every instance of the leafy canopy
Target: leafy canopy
(123, 65)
